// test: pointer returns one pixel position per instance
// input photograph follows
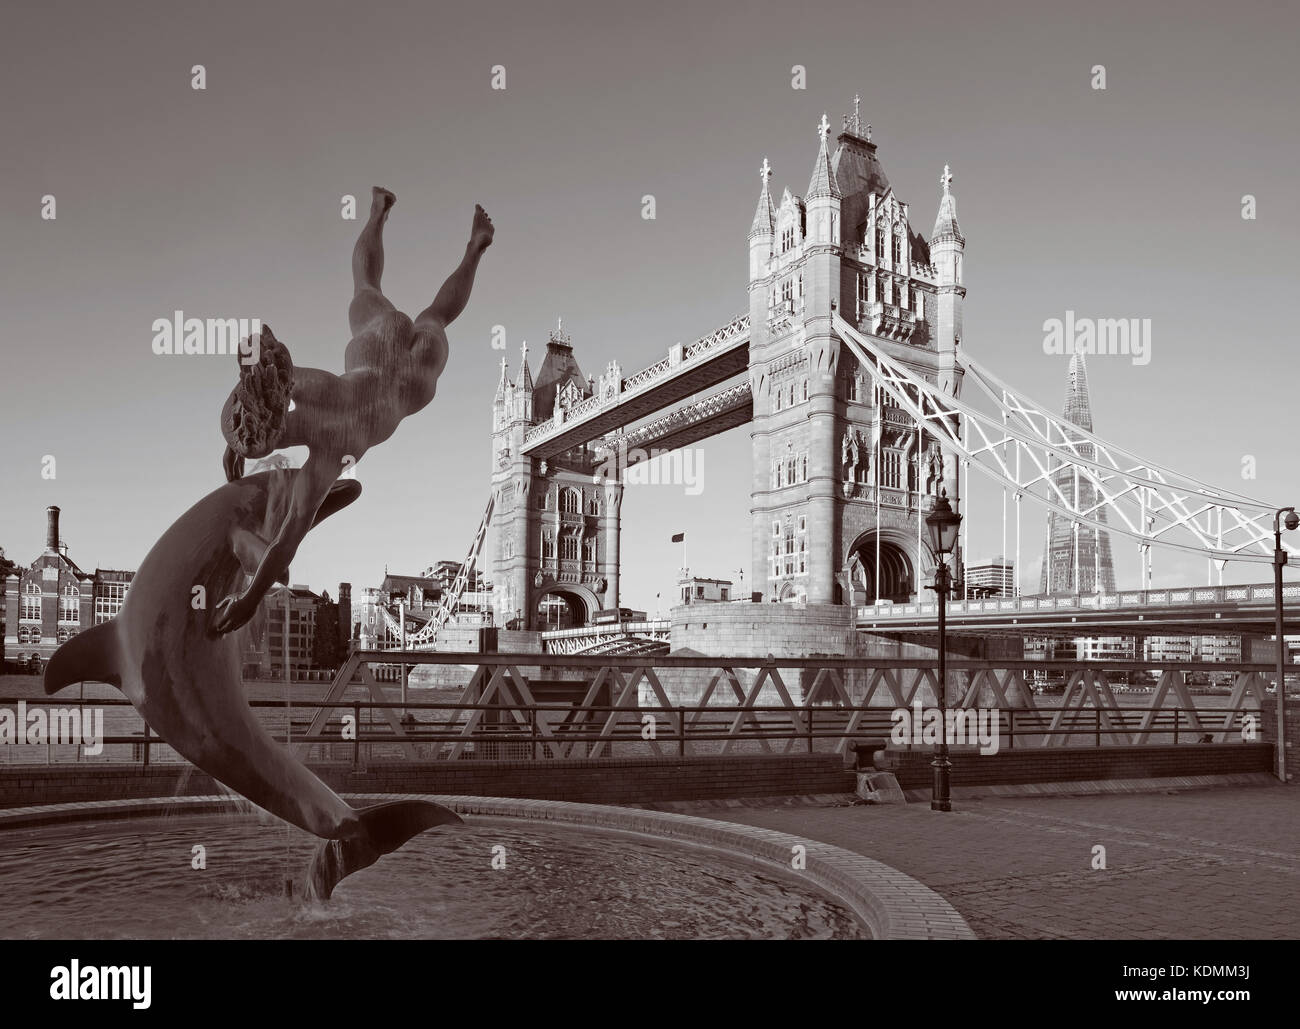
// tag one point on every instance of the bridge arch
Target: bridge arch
(900, 571)
(562, 605)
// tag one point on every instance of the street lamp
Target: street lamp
(942, 524)
(1279, 559)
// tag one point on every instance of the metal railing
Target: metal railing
(554, 707)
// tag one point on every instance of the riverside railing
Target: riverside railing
(543, 707)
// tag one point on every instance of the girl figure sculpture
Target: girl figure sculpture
(391, 368)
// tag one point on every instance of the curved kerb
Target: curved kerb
(893, 906)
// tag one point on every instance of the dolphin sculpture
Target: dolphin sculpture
(184, 678)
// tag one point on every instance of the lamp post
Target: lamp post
(942, 524)
(1279, 559)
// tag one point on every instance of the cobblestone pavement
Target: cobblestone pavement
(1208, 864)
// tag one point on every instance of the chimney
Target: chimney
(345, 612)
(52, 529)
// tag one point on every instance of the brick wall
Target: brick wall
(592, 781)
(1268, 716)
(1083, 764)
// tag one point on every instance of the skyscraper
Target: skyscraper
(1077, 557)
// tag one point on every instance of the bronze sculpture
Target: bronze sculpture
(179, 663)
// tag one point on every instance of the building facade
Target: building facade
(555, 522)
(50, 600)
(695, 589)
(995, 578)
(842, 477)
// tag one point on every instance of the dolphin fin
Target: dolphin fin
(89, 655)
(386, 827)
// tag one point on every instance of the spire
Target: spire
(823, 182)
(946, 223)
(1078, 404)
(525, 380)
(765, 215)
(504, 382)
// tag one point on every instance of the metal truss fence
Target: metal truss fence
(522, 707)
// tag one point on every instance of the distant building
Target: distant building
(51, 600)
(264, 649)
(1077, 558)
(1169, 648)
(995, 578)
(695, 589)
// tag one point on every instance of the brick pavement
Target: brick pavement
(1206, 864)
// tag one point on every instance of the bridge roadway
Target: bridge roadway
(1193, 610)
(686, 371)
(1196, 610)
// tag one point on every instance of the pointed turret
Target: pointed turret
(525, 380)
(823, 200)
(765, 215)
(503, 383)
(945, 225)
(823, 183)
(762, 234)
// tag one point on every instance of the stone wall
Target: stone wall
(594, 781)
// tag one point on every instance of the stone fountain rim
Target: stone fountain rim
(891, 904)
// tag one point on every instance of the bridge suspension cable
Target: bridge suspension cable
(1150, 503)
(427, 634)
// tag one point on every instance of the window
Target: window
(699, 592)
(864, 290)
(791, 396)
(891, 468)
(724, 593)
(569, 548)
(803, 468)
(805, 389)
(548, 546)
(902, 294)
(777, 397)
(880, 242)
(589, 548)
(800, 291)
(31, 606)
(789, 550)
(803, 523)
(898, 246)
(70, 605)
(787, 239)
(593, 505)
(776, 528)
(803, 553)
(570, 501)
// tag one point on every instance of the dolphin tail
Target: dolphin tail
(90, 655)
(385, 828)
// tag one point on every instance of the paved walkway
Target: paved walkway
(1206, 864)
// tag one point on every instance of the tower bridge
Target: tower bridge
(849, 369)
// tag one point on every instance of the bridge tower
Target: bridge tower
(555, 523)
(841, 477)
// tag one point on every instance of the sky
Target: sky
(225, 202)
